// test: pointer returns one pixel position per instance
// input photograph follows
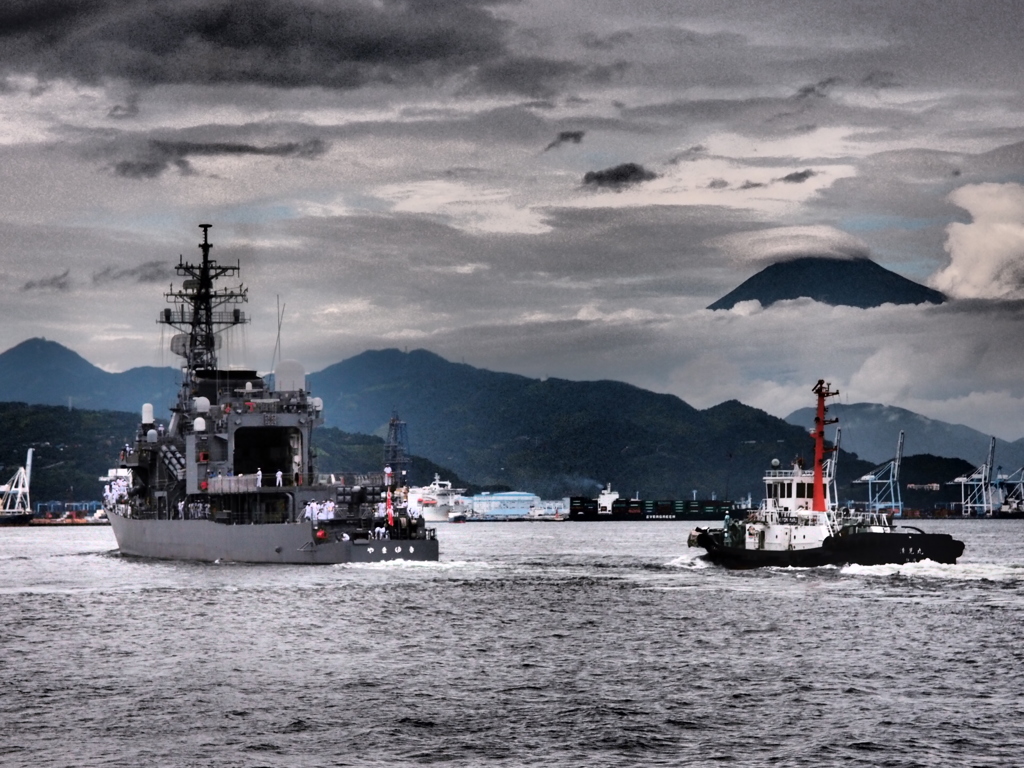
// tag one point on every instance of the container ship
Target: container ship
(609, 506)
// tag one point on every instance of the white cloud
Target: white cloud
(768, 246)
(466, 207)
(986, 255)
(435, 215)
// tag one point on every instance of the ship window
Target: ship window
(789, 490)
(801, 490)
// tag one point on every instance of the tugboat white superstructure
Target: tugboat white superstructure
(798, 523)
(233, 477)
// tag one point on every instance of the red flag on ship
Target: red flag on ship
(391, 517)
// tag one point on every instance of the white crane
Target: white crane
(884, 485)
(14, 498)
(978, 495)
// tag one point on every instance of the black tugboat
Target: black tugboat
(233, 477)
(798, 524)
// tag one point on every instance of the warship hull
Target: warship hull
(296, 543)
(867, 548)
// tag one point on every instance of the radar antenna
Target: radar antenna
(396, 450)
(197, 309)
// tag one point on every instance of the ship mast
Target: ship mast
(822, 390)
(396, 450)
(197, 312)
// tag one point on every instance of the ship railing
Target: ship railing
(188, 317)
(852, 517)
(233, 484)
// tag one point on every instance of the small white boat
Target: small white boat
(548, 512)
(436, 502)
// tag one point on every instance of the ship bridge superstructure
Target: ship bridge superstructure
(799, 499)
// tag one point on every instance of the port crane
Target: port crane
(884, 485)
(979, 496)
(1012, 486)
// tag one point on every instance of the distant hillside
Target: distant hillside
(42, 372)
(871, 430)
(838, 282)
(344, 452)
(553, 437)
(72, 448)
(926, 469)
(556, 437)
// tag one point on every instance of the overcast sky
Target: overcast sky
(550, 188)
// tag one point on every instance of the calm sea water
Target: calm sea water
(554, 644)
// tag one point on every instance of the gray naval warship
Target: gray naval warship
(233, 477)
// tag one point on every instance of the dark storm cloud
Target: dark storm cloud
(798, 177)
(619, 176)
(59, 282)
(150, 272)
(566, 137)
(285, 43)
(161, 155)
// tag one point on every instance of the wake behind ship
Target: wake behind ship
(233, 477)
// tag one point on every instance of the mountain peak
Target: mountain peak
(37, 352)
(857, 282)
